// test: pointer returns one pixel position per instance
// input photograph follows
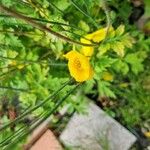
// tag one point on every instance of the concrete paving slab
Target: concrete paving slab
(96, 131)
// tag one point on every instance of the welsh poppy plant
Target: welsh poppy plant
(79, 66)
(87, 50)
(97, 37)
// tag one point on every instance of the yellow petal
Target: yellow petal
(87, 39)
(70, 54)
(79, 66)
(99, 35)
(87, 50)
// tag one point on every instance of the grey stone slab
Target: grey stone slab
(96, 131)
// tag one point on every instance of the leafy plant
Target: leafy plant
(35, 35)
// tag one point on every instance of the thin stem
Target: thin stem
(47, 116)
(35, 107)
(8, 72)
(34, 4)
(10, 58)
(84, 13)
(17, 132)
(20, 33)
(53, 5)
(13, 69)
(32, 61)
(8, 67)
(28, 33)
(86, 6)
(39, 26)
(79, 36)
(51, 22)
(14, 89)
(106, 10)
(8, 139)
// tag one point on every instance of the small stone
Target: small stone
(96, 131)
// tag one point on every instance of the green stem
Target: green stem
(8, 72)
(20, 33)
(106, 10)
(8, 140)
(39, 7)
(53, 5)
(35, 107)
(84, 13)
(39, 26)
(15, 89)
(32, 61)
(47, 116)
(51, 22)
(18, 132)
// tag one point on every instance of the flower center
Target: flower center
(77, 63)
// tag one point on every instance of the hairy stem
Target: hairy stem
(38, 25)
(35, 107)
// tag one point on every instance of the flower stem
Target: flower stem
(35, 107)
(38, 25)
(46, 117)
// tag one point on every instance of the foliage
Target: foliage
(33, 66)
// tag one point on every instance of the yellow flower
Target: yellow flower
(79, 66)
(99, 35)
(96, 36)
(87, 50)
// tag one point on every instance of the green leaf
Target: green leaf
(28, 99)
(127, 40)
(136, 62)
(12, 53)
(121, 67)
(120, 30)
(83, 25)
(118, 47)
(104, 89)
(103, 63)
(88, 86)
(103, 49)
(7, 3)
(10, 39)
(147, 8)
(62, 4)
